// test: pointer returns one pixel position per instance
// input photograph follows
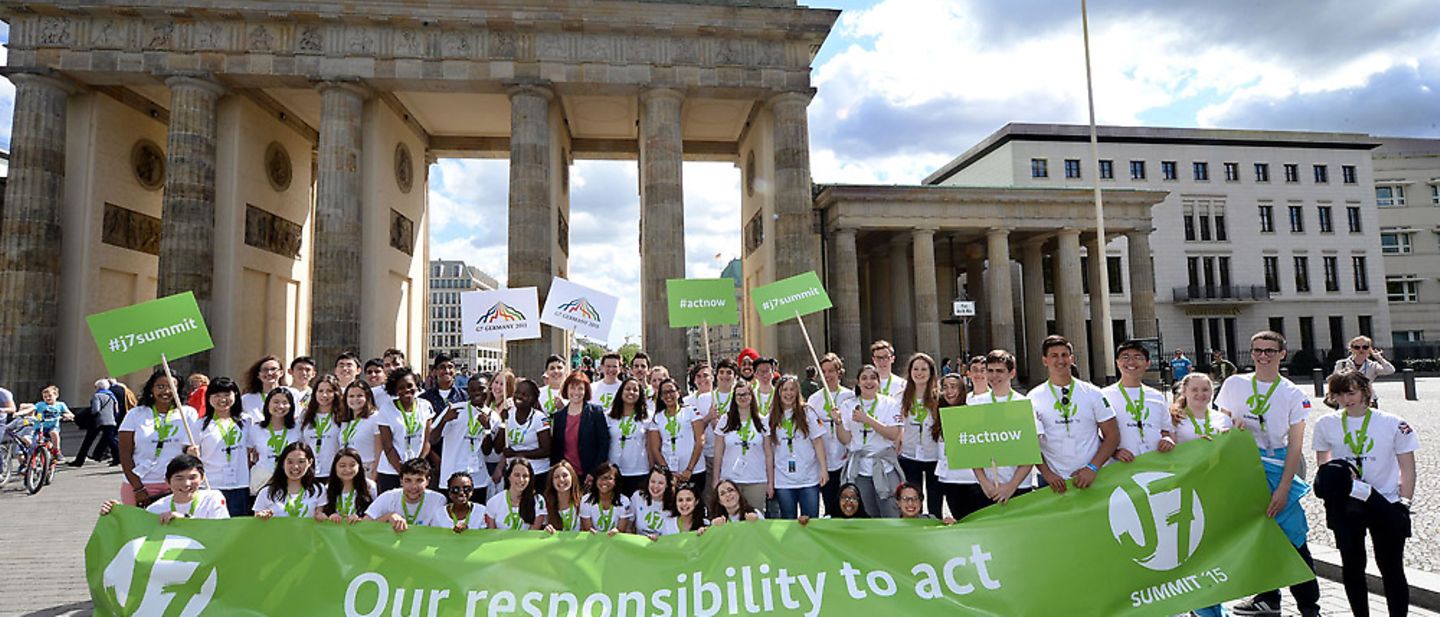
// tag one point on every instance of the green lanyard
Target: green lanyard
(919, 411)
(769, 405)
(455, 520)
(322, 426)
(295, 506)
(277, 440)
(191, 512)
(405, 509)
(472, 422)
(865, 430)
(1260, 405)
(1359, 441)
(1196, 425)
(163, 430)
(1066, 411)
(722, 405)
(889, 379)
(746, 432)
(347, 432)
(230, 433)
(411, 419)
(627, 429)
(568, 516)
(788, 425)
(1137, 409)
(346, 504)
(512, 516)
(606, 518)
(672, 426)
(550, 404)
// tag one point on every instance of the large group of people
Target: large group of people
(638, 451)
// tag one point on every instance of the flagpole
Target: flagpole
(1101, 312)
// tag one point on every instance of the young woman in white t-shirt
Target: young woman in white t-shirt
(349, 493)
(358, 428)
(920, 410)
(731, 505)
(740, 445)
(873, 433)
(678, 440)
(653, 505)
(518, 506)
(562, 499)
(318, 426)
(527, 431)
(629, 422)
(795, 453)
(605, 509)
(462, 512)
(184, 474)
(1193, 414)
(292, 490)
(269, 437)
(261, 379)
(689, 513)
(152, 434)
(404, 426)
(222, 445)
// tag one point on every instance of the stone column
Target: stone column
(335, 300)
(882, 313)
(1069, 309)
(187, 220)
(30, 234)
(796, 242)
(845, 287)
(1102, 339)
(662, 222)
(945, 294)
(1142, 285)
(530, 204)
(999, 290)
(927, 316)
(976, 342)
(902, 300)
(1032, 269)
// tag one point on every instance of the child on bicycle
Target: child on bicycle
(185, 474)
(49, 412)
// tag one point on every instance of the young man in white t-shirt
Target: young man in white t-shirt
(764, 385)
(551, 397)
(1273, 409)
(976, 373)
(882, 355)
(1009, 481)
(640, 370)
(829, 404)
(185, 475)
(1080, 432)
(1142, 411)
(411, 504)
(603, 393)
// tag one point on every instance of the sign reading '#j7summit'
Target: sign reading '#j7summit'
(695, 302)
(589, 312)
(499, 314)
(798, 295)
(134, 337)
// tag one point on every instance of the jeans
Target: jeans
(107, 448)
(237, 501)
(806, 499)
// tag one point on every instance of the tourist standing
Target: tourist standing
(103, 410)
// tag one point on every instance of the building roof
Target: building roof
(1407, 146)
(1016, 131)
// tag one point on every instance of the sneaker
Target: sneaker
(1255, 607)
(76, 463)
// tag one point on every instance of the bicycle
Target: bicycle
(12, 452)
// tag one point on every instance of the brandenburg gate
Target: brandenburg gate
(272, 158)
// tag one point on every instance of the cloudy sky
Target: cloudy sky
(905, 85)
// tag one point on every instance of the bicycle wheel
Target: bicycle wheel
(35, 470)
(54, 457)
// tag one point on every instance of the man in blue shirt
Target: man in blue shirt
(1180, 366)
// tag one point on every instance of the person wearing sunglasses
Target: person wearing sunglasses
(1273, 409)
(1080, 431)
(1366, 358)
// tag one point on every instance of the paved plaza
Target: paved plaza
(43, 536)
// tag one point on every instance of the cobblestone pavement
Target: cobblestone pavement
(42, 538)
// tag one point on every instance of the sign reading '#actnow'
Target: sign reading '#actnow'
(694, 302)
(576, 307)
(996, 433)
(509, 314)
(134, 337)
(801, 294)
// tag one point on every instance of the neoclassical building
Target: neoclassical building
(271, 157)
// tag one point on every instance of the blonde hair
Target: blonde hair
(51, 388)
(1178, 408)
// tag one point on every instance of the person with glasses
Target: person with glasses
(1273, 409)
(910, 500)
(740, 446)
(1379, 448)
(1079, 429)
(265, 375)
(882, 353)
(460, 512)
(872, 430)
(1143, 413)
(1366, 358)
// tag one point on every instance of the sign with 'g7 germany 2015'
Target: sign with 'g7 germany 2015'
(798, 295)
(499, 314)
(588, 312)
(1165, 534)
(695, 302)
(134, 337)
(1004, 433)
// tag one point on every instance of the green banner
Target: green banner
(801, 294)
(133, 338)
(695, 302)
(990, 434)
(1162, 535)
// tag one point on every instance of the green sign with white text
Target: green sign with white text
(994, 433)
(695, 302)
(134, 337)
(1162, 535)
(798, 295)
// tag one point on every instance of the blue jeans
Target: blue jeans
(807, 500)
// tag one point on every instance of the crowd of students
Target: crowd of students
(639, 452)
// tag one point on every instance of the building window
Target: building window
(1292, 172)
(1361, 273)
(1107, 169)
(1297, 219)
(1331, 265)
(1352, 215)
(1262, 172)
(1277, 325)
(1267, 219)
(1137, 170)
(1367, 325)
(1189, 225)
(1202, 171)
(1221, 234)
(1347, 174)
(1307, 334)
(1337, 332)
(1435, 194)
(1400, 337)
(1112, 270)
(1402, 288)
(1322, 174)
(1327, 222)
(1205, 227)
(1232, 172)
(1039, 168)
(1395, 243)
(1302, 274)
(1072, 168)
(1272, 273)
(1167, 170)
(1389, 196)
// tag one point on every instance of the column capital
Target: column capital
(1068, 231)
(664, 92)
(998, 231)
(801, 97)
(202, 80)
(352, 85)
(924, 231)
(899, 240)
(41, 75)
(846, 231)
(1138, 231)
(541, 88)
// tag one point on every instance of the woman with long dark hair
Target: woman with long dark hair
(318, 427)
(357, 426)
(261, 378)
(268, 438)
(519, 506)
(605, 509)
(920, 411)
(630, 426)
(349, 493)
(222, 445)
(292, 490)
(152, 434)
(740, 447)
(404, 426)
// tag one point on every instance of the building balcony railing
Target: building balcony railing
(1221, 293)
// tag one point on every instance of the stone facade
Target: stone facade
(1407, 182)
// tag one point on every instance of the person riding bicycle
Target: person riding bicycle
(48, 414)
